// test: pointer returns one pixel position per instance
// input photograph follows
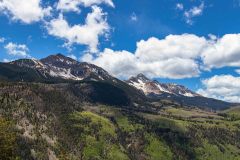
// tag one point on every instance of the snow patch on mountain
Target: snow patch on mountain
(63, 73)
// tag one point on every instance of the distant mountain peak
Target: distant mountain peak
(148, 86)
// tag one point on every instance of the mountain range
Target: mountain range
(59, 68)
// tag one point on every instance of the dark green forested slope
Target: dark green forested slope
(85, 121)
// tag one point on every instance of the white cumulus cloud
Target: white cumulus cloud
(172, 57)
(14, 49)
(224, 87)
(27, 11)
(118, 63)
(221, 52)
(73, 5)
(85, 34)
(181, 46)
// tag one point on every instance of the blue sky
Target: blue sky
(195, 43)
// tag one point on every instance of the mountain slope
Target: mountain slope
(12, 72)
(50, 121)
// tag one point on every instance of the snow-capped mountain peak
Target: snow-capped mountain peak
(60, 66)
(148, 86)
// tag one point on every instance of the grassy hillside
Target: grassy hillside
(232, 113)
(55, 121)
